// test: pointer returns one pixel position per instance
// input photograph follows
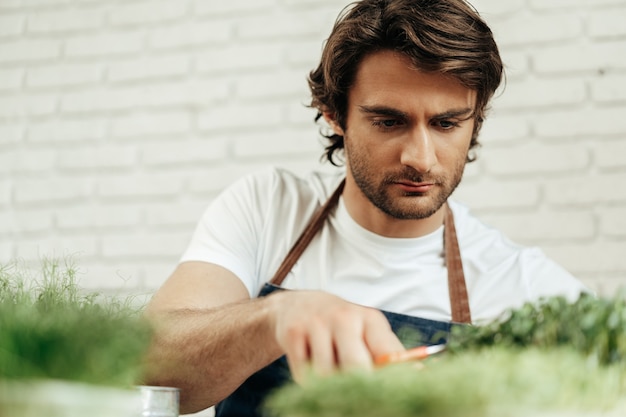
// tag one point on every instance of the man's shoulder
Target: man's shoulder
(474, 232)
(485, 244)
(463, 217)
(276, 182)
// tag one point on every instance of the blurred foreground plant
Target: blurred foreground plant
(491, 382)
(51, 329)
(552, 358)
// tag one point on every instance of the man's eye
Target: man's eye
(387, 123)
(446, 124)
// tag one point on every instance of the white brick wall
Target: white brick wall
(120, 121)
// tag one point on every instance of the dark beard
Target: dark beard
(377, 194)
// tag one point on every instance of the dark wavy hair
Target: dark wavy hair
(442, 36)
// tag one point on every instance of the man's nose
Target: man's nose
(419, 151)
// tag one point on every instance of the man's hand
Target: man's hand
(210, 336)
(324, 333)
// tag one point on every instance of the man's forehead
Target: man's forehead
(388, 65)
(389, 80)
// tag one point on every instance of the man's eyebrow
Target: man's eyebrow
(392, 112)
(454, 113)
(384, 111)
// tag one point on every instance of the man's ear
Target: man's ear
(332, 122)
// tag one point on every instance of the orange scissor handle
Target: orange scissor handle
(417, 353)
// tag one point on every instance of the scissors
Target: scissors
(414, 354)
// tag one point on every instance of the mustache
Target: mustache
(412, 176)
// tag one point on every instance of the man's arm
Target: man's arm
(210, 336)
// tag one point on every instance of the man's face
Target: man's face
(407, 135)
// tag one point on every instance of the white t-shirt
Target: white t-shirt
(252, 225)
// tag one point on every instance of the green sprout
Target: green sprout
(52, 329)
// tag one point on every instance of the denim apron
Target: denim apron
(413, 331)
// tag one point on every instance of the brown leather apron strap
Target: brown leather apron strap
(315, 224)
(459, 300)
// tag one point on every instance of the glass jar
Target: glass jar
(159, 401)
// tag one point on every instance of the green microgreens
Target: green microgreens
(50, 328)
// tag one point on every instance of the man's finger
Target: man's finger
(352, 350)
(379, 337)
(322, 349)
